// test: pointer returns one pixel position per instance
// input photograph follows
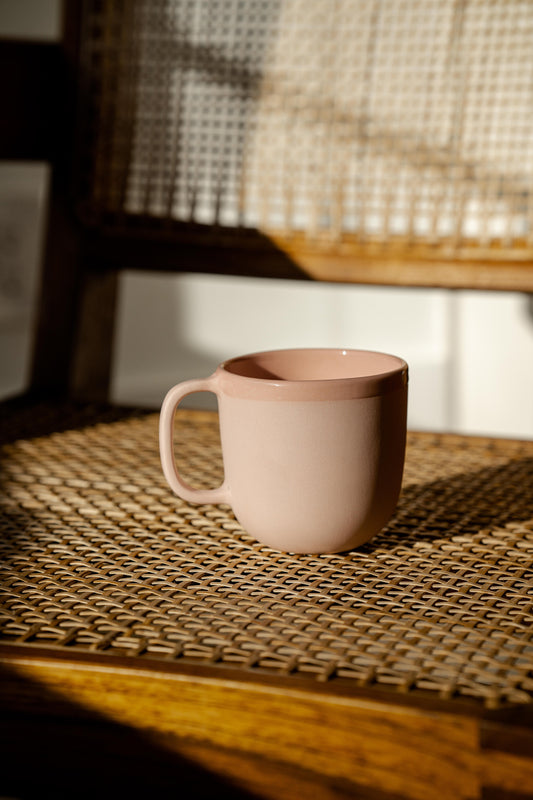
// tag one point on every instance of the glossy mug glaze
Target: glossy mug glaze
(313, 444)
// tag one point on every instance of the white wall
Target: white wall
(30, 19)
(493, 376)
(22, 209)
(470, 353)
(175, 327)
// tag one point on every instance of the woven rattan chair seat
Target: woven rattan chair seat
(98, 555)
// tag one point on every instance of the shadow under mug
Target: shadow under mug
(313, 444)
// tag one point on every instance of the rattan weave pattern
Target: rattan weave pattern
(385, 122)
(97, 554)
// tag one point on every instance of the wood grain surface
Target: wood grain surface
(334, 741)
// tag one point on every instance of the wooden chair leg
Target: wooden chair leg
(56, 317)
(92, 355)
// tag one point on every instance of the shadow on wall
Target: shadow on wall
(154, 353)
(173, 328)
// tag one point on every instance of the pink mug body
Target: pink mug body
(313, 444)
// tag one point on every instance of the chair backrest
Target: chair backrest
(356, 140)
(370, 141)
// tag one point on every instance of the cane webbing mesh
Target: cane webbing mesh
(357, 121)
(97, 554)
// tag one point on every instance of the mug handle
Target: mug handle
(166, 444)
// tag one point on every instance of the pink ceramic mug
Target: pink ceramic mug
(313, 444)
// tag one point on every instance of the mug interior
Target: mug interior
(313, 364)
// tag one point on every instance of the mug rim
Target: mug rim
(369, 384)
